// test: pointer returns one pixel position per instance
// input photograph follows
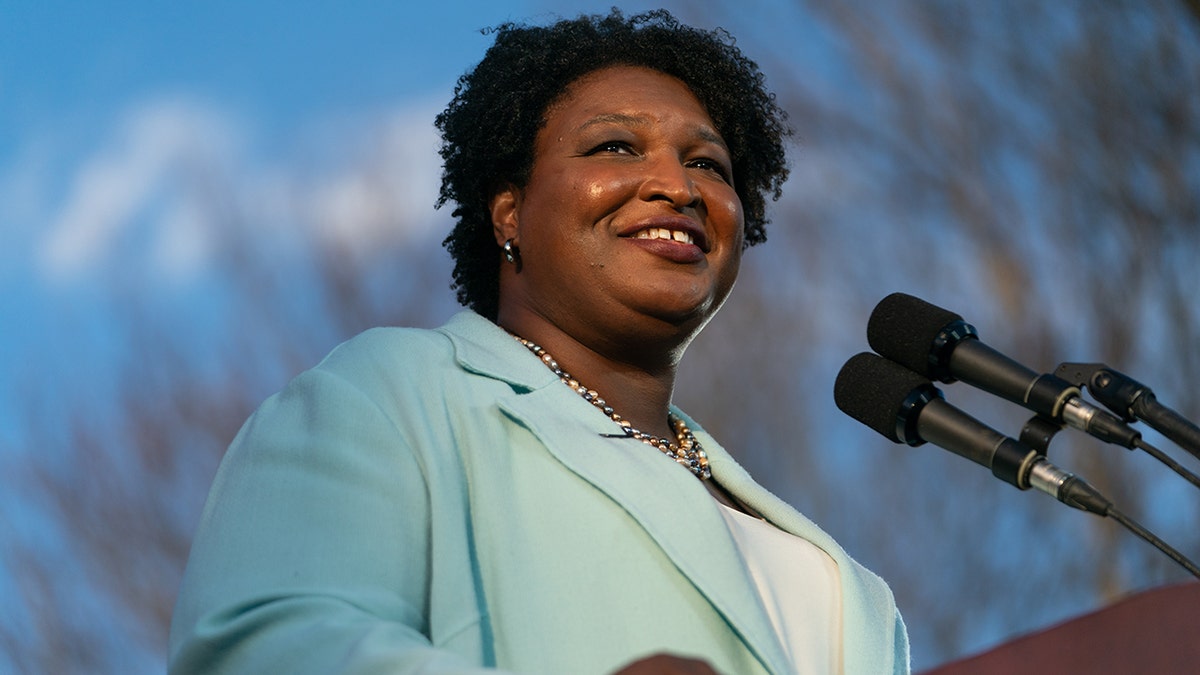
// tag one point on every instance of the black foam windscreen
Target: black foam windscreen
(873, 391)
(903, 329)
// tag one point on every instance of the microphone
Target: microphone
(906, 408)
(938, 344)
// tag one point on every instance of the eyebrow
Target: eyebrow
(704, 132)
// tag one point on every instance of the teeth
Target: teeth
(664, 233)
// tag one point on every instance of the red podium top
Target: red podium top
(1157, 631)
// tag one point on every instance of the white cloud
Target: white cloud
(183, 244)
(177, 172)
(151, 165)
(386, 193)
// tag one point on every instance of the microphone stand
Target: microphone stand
(1132, 400)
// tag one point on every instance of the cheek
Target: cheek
(604, 187)
(726, 209)
(594, 191)
(577, 193)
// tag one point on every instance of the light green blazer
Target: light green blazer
(435, 501)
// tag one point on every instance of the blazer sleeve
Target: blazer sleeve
(313, 552)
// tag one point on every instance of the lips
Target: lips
(677, 230)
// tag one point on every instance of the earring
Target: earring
(512, 253)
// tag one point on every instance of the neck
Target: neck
(636, 379)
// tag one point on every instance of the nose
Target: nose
(668, 179)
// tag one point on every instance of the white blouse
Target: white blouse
(800, 589)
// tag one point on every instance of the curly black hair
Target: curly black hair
(489, 127)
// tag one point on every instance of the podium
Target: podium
(1156, 631)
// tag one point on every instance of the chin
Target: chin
(681, 314)
(686, 317)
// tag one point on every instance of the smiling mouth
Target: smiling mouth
(665, 234)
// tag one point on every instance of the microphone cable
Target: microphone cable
(1166, 459)
(1136, 528)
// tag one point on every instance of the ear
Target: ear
(504, 206)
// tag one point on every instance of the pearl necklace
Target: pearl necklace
(686, 450)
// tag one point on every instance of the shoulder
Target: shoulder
(368, 381)
(371, 399)
(387, 349)
(415, 354)
(364, 380)
(403, 371)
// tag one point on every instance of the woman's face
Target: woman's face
(630, 216)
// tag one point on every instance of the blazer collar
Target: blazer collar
(480, 346)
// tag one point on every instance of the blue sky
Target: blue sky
(282, 61)
(73, 66)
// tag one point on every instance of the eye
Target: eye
(613, 148)
(713, 166)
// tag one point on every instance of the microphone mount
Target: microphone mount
(1132, 400)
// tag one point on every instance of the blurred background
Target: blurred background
(199, 200)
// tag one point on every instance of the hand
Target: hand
(667, 664)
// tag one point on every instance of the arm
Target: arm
(313, 552)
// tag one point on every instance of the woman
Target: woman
(515, 490)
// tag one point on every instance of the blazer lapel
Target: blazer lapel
(669, 503)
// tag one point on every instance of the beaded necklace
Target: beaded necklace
(686, 450)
